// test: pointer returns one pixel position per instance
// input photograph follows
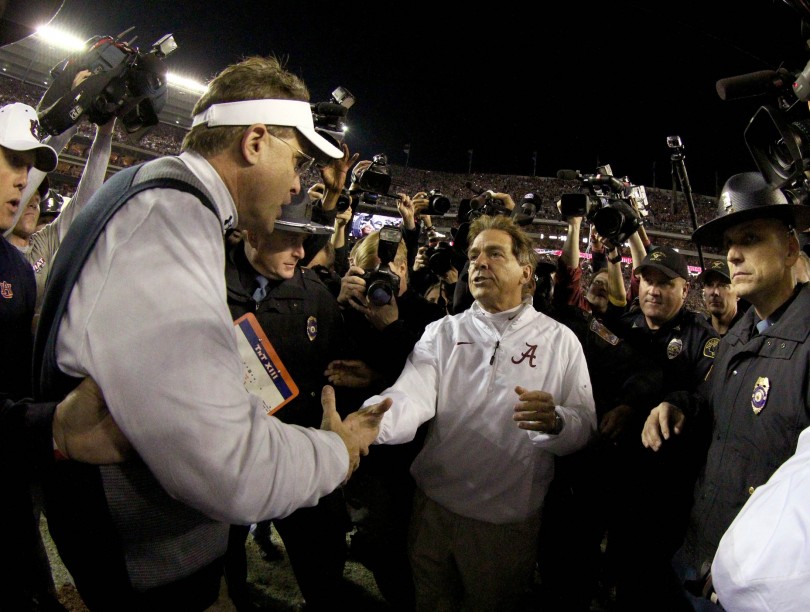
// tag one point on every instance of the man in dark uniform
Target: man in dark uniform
(305, 327)
(720, 298)
(757, 396)
(656, 488)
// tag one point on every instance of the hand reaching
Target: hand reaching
(358, 430)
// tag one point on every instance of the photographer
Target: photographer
(325, 196)
(605, 296)
(380, 493)
(436, 262)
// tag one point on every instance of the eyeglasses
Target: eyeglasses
(303, 162)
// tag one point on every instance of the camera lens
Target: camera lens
(438, 204)
(379, 293)
(608, 222)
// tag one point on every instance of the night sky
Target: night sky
(579, 85)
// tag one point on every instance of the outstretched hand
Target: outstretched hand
(358, 430)
(665, 420)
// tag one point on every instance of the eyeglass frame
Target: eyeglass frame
(301, 167)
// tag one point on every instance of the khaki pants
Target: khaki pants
(463, 564)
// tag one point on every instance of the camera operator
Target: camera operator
(325, 195)
(605, 296)
(436, 265)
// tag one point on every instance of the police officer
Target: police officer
(656, 488)
(304, 325)
(757, 396)
(719, 297)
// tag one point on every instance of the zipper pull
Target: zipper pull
(497, 344)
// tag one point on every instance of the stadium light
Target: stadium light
(60, 38)
(186, 83)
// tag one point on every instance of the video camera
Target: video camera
(375, 178)
(486, 204)
(125, 83)
(778, 135)
(330, 117)
(605, 202)
(382, 285)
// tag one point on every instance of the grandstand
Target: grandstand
(25, 75)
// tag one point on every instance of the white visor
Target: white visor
(287, 113)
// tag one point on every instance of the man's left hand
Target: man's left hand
(535, 410)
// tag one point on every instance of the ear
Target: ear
(793, 250)
(526, 276)
(252, 142)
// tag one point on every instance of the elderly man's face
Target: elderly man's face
(759, 255)
(496, 278)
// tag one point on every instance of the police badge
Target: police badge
(760, 395)
(674, 348)
(312, 328)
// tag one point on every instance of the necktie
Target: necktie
(261, 290)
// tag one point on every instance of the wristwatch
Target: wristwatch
(615, 259)
(558, 425)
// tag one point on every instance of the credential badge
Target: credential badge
(312, 328)
(760, 395)
(674, 348)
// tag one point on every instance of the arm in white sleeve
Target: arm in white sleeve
(414, 394)
(763, 560)
(149, 322)
(95, 171)
(576, 405)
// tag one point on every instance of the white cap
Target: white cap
(19, 131)
(287, 113)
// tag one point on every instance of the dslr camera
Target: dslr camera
(382, 285)
(440, 258)
(438, 203)
(125, 83)
(604, 200)
(376, 178)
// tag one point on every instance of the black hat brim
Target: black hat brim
(711, 232)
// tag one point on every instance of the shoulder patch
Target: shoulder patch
(603, 332)
(710, 348)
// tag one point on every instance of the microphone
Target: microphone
(568, 175)
(751, 84)
(474, 188)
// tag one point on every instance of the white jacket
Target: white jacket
(462, 373)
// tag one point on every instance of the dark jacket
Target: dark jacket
(751, 371)
(684, 348)
(303, 322)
